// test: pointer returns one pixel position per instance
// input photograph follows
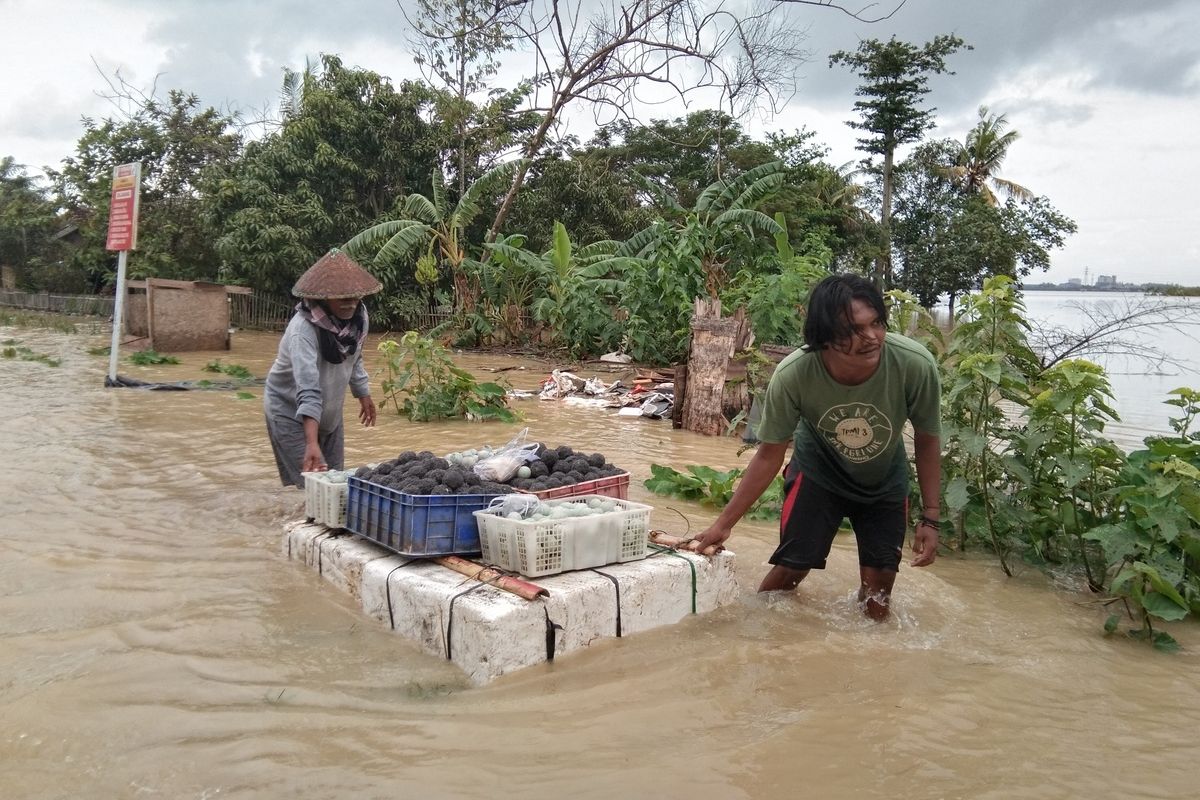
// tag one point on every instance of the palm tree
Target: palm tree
(978, 160)
(429, 222)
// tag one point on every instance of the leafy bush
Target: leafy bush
(713, 488)
(1151, 540)
(424, 384)
(1028, 471)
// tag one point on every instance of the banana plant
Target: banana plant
(431, 223)
(578, 288)
(724, 214)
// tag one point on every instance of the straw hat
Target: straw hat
(335, 276)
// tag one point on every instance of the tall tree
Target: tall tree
(459, 42)
(681, 156)
(977, 162)
(351, 146)
(627, 51)
(177, 142)
(949, 240)
(26, 220)
(895, 77)
(585, 192)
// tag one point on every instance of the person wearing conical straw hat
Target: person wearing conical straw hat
(320, 356)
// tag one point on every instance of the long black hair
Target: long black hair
(828, 318)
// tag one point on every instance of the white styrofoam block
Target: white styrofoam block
(495, 632)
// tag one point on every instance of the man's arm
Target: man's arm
(927, 450)
(761, 470)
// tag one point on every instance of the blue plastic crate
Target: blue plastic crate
(415, 525)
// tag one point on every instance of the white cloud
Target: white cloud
(1104, 92)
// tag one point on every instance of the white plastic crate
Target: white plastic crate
(550, 546)
(325, 497)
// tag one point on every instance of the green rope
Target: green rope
(691, 564)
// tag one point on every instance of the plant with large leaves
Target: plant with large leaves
(431, 223)
(725, 214)
(577, 289)
(988, 362)
(688, 258)
(1151, 540)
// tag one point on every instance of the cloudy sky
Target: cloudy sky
(1105, 93)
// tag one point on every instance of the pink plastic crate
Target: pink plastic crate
(614, 486)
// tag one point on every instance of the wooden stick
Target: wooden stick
(492, 577)
(664, 539)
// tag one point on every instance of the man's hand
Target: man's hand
(712, 535)
(925, 542)
(366, 411)
(313, 460)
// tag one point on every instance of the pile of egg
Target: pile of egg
(468, 458)
(335, 475)
(566, 510)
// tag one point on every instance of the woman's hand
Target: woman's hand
(313, 460)
(366, 411)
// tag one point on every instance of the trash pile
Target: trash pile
(651, 396)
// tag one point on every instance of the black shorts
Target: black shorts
(812, 515)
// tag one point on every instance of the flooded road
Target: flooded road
(154, 642)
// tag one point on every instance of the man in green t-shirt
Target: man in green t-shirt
(842, 402)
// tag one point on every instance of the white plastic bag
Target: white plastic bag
(503, 465)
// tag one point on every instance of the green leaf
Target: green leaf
(704, 473)
(957, 494)
(1117, 541)
(1110, 624)
(1165, 642)
(1163, 607)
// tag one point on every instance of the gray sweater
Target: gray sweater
(302, 384)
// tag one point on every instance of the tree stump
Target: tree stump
(714, 340)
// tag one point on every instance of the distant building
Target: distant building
(1106, 281)
(1074, 282)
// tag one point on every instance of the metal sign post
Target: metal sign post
(122, 236)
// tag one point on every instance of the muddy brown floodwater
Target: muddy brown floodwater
(154, 643)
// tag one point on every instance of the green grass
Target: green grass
(232, 370)
(37, 319)
(147, 358)
(25, 354)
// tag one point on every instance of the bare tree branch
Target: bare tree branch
(632, 53)
(860, 15)
(1121, 329)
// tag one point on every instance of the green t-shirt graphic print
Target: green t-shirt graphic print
(849, 438)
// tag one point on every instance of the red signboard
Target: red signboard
(123, 207)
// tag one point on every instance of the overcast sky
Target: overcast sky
(1105, 94)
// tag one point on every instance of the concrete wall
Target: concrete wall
(189, 319)
(134, 314)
